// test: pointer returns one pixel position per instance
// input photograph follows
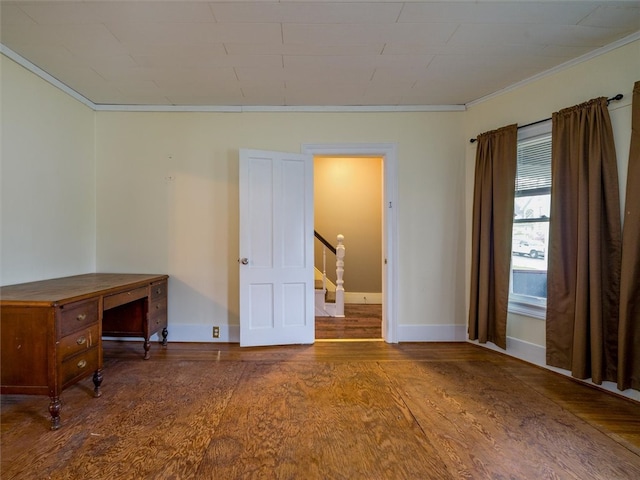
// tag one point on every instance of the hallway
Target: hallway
(360, 321)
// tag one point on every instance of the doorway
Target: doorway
(386, 153)
(348, 201)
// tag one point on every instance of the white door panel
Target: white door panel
(276, 239)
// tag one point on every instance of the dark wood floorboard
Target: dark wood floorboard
(332, 410)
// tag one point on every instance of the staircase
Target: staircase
(324, 307)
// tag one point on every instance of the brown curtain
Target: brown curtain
(494, 190)
(585, 244)
(629, 334)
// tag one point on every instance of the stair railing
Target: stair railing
(339, 252)
(324, 257)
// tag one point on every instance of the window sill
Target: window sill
(528, 306)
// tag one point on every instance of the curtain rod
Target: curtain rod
(609, 100)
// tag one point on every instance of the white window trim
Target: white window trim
(528, 306)
(524, 304)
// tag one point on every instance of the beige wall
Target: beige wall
(47, 180)
(348, 201)
(167, 201)
(605, 75)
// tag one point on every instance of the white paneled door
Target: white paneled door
(276, 248)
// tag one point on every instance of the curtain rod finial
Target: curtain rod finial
(617, 97)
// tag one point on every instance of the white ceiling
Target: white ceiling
(305, 53)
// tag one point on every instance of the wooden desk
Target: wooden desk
(51, 331)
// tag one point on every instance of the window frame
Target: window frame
(525, 304)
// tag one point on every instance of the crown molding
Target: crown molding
(284, 108)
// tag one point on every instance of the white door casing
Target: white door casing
(276, 248)
(388, 152)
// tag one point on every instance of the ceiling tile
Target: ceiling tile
(212, 98)
(59, 13)
(12, 14)
(324, 93)
(565, 35)
(47, 57)
(194, 51)
(615, 16)
(325, 13)
(496, 12)
(162, 11)
(355, 34)
(347, 61)
(299, 49)
(212, 60)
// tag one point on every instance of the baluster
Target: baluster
(340, 252)
(324, 268)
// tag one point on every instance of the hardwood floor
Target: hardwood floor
(332, 410)
(361, 321)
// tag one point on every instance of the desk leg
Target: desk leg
(54, 410)
(165, 332)
(97, 381)
(147, 347)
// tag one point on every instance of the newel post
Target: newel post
(339, 273)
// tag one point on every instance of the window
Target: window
(532, 206)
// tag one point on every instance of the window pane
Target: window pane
(532, 209)
(529, 259)
(536, 206)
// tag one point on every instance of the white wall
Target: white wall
(47, 189)
(606, 75)
(167, 201)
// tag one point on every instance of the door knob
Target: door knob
(244, 261)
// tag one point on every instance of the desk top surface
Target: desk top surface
(69, 289)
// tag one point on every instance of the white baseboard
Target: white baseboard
(536, 354)
(200, 333)
(231, 333)
(362, 297)
(529, 352)
(432, 333)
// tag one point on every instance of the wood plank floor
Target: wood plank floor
(361, 321)
(332, 410)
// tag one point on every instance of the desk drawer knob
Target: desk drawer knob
(157, 306)
(81, 317)
(159, 291)
(82, 363)
(81, 340)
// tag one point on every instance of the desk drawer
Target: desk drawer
(79, 366)
(158, 290)
(158, 315)
(76, 316)
(118, 299)
(78, 341)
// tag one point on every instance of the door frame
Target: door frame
(388, 153)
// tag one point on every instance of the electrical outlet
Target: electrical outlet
(216, 332)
